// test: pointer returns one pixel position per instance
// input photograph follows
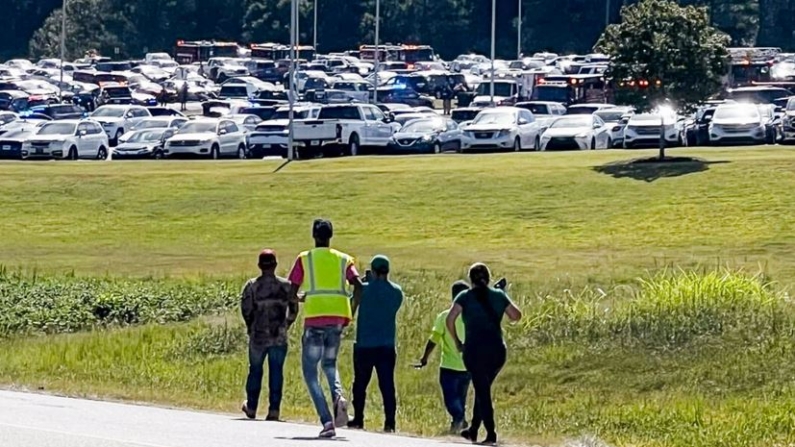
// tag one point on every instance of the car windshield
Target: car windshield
(285, 114)
(791, 104)
(610, 116)
(198, 127)
(151, 124)
(422, 126)
(109, 112)
(537, 109)
(57, 129)
(736, 113)
(118, 92)
(146, 135)
(567, 122)
(500, 118)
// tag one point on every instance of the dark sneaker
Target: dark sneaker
(272, 416)
(389, 428)
(249, 413)
(457, 427)
(469, 435)
(491, 439)
(356, 425)
(328, 431)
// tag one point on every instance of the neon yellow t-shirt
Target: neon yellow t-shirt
(451, 358)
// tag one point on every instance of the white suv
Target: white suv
(117, 119)
(208, 137)
(70, 139)
(737, 124)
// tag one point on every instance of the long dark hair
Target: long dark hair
(479, 276)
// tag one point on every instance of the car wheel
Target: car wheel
(537, 144)
(609, 143)
(115, 141)
(102, 153)
(517, 145)
(158, 155)
(593, 143)
(437, 148)
(72, 155)
(215, 153)
(241, 152)
(353, 145)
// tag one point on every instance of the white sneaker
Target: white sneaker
(341, 412)
(328, 431)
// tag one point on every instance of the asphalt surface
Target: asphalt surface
(35, 420)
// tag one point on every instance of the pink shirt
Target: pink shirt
(297, 278)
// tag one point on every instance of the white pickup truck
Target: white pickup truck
(350, 126)
(271, 136)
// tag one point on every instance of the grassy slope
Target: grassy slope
(549, 221)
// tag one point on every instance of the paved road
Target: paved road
(33, 420)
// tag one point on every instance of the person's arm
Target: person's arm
(292, 305)
(296, 278)
(512, 311)
(455, 311)
(429, 347)
(352, 275)
(247, 306)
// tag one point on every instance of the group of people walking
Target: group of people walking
(469, 334)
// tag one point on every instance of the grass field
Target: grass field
(698, 354)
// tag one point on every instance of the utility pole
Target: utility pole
(607, 13)
(314, 40)
(377, 54)
(493, 46)
(63, 47)
(291, 94)
(519, 33)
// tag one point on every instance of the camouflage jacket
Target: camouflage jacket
(269, 309)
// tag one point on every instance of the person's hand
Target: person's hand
(459, 345)
(423, 362)
(302, 297)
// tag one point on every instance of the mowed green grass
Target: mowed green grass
(572, 231)
(534, 216)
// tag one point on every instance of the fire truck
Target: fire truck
(573, 89)
(277, 51)
(749, 66)
(200, 51)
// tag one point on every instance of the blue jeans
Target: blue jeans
(455, 385)
(256, 358)
(321, 345)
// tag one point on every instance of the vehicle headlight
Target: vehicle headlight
(206, 141)
(427, 138)
(582, 135)
(504, 133)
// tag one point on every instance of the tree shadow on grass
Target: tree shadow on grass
(651, 169)
(312, 438)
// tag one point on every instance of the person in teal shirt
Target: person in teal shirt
(376, 315)
(453, 376)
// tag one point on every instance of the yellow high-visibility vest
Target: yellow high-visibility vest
(325, 283)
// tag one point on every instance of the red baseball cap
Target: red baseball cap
(267, 257)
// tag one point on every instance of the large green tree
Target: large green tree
(658, 40)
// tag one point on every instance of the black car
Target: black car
(60, 111)
(264, 113)
(115, 95)
(697, 133)
(13, 100)
(164, 111)
(403, 96)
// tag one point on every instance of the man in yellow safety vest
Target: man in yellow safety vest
(321, 276)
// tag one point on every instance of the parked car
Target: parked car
(213, 138)
(69, 139)
(155, 122)
(576, 132)
(12, 137)
(144, 143)
(60, 111)
(464, 114)
(116, 119)
(737, 124)
(643, 130)
(506, 128)
(697, 130)
(164, 111)
(616, 120)
(787, 124)
(404, 96)
(426, 135)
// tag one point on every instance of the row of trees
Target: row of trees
(451, 26)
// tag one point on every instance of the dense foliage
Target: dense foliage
(66, 304)
(672, 48)
(567, 25)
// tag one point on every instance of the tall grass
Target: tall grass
(66, 303)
